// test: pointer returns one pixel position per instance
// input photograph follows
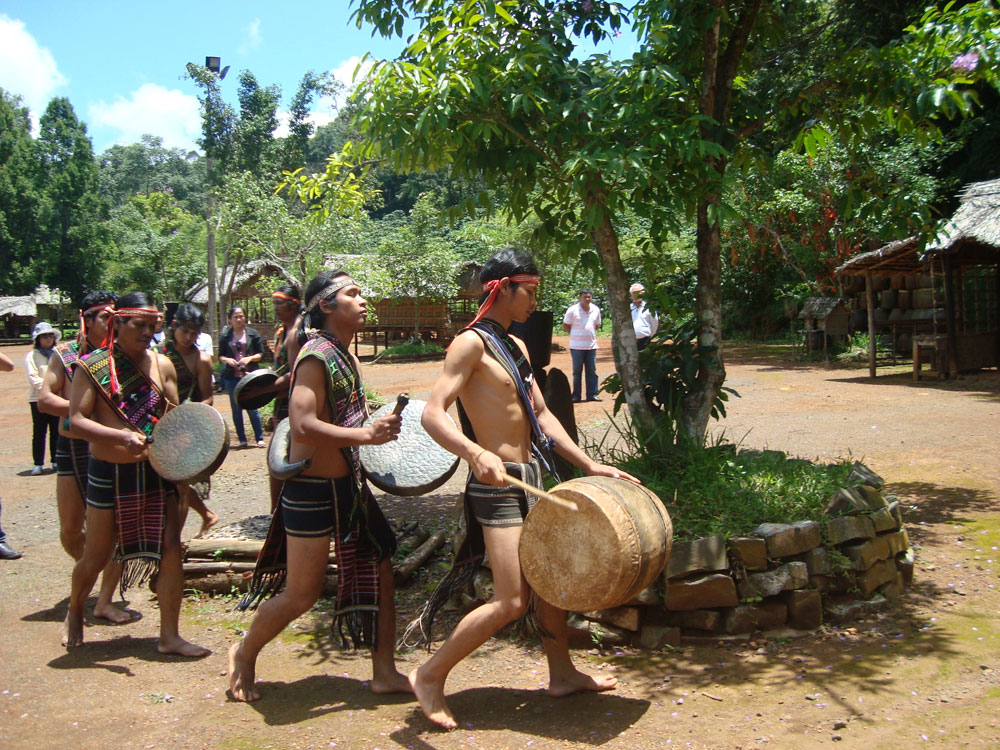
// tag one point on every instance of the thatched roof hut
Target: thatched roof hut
(975, 227)
(256, 278)
(965, 308)
(19, 313)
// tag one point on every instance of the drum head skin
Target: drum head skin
(602, 555)
(251, 381)
(189, 443)
(412, 465)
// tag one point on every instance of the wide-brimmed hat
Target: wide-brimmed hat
(636, 288)
(41, 329)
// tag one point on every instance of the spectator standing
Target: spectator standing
(205, 344)
(581, 322)
(35, 363)
(644, 322)
(240, 350)
(158, 335)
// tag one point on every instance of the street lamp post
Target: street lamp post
(212, 64)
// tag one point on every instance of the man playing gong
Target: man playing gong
(73, 453)
(288, 338)
(330, 498)
(488, 371)
(119, 392)
(194, 383)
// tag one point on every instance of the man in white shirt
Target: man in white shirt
(581, 322)
(644, 321)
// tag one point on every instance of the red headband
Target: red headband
(81, 334)
(282, 295)
(109, 338)
(493, 287)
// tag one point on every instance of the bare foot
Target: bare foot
(431, 697)
(207, 521)
(112, 613)
(180, 647)
(577, 682)
(391, 683)
(72, 631)
(241, 676)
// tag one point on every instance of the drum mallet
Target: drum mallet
(567, 504)
(401, 401)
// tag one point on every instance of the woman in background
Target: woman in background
(240, 350)
(36, 362)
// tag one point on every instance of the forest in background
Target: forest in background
(134, 216)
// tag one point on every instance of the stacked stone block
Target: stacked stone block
(781, 576)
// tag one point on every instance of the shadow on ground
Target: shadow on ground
(930, 503)
(96, 654)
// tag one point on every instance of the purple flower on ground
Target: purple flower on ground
(587, 5)
(966, 62)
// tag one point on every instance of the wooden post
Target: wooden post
(951, 333)
(870, 297)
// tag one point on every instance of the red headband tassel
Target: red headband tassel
(493, 287)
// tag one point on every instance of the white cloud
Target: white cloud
(345, 71)
(252, 37)
(26, 67)
(325, 108)
(318, 119)
(154, 109)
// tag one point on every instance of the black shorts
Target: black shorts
(107, 483)
(72, 459)
(308, 505)
(507, 505)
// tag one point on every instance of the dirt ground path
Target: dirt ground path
(926, 671)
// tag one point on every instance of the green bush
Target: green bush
(720, 489)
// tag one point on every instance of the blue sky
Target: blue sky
(121, 63)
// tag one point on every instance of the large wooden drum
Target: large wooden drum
(602, 555)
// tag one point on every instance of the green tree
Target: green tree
(156, 246)
(148, 166)
(300, 130)
(254, 147)
(494, 88)
(20, 199)
(70, 253)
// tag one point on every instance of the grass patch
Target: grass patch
(857, 349)
(719, 489)
(412, 349)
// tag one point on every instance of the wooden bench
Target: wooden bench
(938, 346)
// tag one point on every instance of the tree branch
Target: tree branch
(731, 59)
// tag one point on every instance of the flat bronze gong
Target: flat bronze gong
(412, 465)
(189, 443)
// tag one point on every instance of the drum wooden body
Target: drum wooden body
(602, 555)
(189, 443)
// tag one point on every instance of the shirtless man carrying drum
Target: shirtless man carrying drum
(494, 510)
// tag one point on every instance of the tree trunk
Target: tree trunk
(697, 406)
(625, 349)
(213, 273)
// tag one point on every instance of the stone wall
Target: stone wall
(782, 576)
